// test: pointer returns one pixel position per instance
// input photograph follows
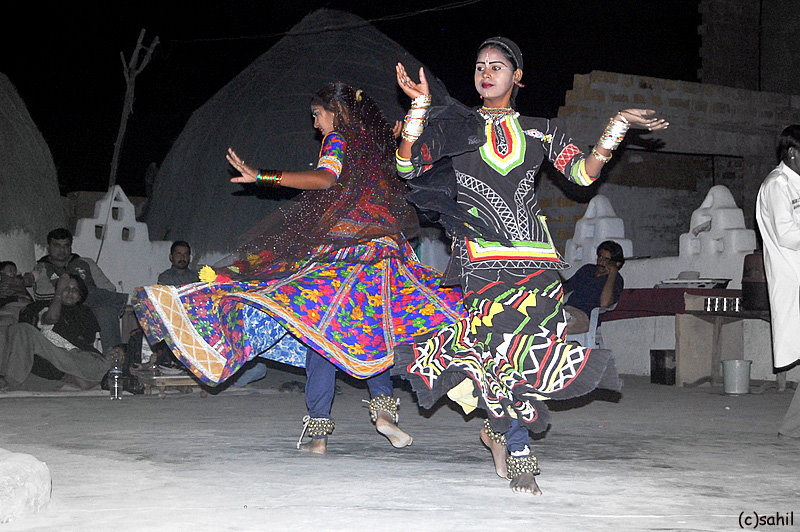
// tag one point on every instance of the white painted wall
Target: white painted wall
(130, 259)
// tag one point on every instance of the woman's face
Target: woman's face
(494, 77)
(323, 119)
(71, 294)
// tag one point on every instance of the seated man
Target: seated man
(106, 303)
(594, 285)
(179, 255)
(54, 341)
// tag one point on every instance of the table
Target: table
(644, 302)
(718, 318)
(693, 344)
(153, 378)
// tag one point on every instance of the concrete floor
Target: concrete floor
(655, 458)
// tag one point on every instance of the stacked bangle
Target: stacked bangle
(269, 177)
(414, 122)
(614, 133)
(404, 166)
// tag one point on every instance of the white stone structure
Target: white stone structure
(714, 246)
(18, 246)
(126, 255)
(599, 223)
(25, 485)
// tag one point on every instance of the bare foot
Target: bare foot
(525, 483)
(83, 384)
(316, 445)
(498, 454)
(396, 437)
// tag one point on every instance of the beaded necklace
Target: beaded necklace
(496, 114)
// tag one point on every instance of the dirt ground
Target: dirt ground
(653, 458)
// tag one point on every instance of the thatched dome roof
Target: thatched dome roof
(30, 197)
(263, 113)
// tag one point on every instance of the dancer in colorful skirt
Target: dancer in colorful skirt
(327, 281)
(475, 170)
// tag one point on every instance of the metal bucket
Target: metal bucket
(736, 376)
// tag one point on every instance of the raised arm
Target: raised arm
(420, 95)
(615, 132)
(53, 313)
(607, 294)
(306, 180)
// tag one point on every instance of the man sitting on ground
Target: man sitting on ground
(106, 303)
(594, 285)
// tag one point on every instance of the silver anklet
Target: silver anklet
(383, 403)
(315, 426)
(517, 465)
(496, 437)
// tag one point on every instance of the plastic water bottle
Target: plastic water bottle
(115, 382)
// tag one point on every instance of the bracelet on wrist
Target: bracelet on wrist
(600, 157)
(423, 101)
(271, 178)
(614, 134)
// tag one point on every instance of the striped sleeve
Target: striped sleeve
(331, 154)
(566, 156)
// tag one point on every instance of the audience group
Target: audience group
(60, 322)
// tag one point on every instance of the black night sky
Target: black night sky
(64, 59)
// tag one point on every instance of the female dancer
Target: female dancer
(331, 267)
(509, 353)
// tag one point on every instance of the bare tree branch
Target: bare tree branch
(130, 69)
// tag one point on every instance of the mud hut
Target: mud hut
(30, 203)
(263, 113)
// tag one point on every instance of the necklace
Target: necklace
(496, 114)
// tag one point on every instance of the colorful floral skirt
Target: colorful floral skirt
(508, 354)
(353, 313)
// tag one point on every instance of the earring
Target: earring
(519, 84)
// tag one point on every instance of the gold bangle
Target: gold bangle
(600, 157)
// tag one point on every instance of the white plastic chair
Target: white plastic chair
(591, 338)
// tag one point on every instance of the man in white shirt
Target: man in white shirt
(778, 215)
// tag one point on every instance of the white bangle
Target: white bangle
(423, 101)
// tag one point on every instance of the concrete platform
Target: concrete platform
(656, 457)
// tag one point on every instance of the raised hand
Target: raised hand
(408, 85)
(248, 173)
(644, 118)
